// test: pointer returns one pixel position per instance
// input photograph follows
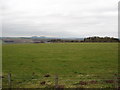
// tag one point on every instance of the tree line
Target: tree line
(101, 39)
(88, 39)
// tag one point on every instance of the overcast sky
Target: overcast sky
(60, 18)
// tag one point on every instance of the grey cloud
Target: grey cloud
(64, 19)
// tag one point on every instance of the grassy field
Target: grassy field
(85, 65)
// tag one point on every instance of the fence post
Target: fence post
(116, 81)
(9, 80)
(56, 81)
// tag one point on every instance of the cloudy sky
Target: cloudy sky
(60, 18)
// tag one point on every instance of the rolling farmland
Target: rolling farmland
(84, 65)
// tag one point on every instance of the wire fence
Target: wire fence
(59, 81)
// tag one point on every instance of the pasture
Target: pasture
(84, 65)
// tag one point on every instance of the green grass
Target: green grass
(73, 62)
